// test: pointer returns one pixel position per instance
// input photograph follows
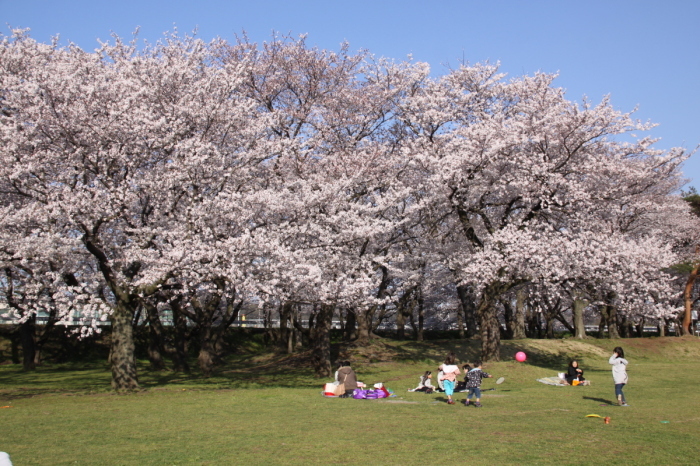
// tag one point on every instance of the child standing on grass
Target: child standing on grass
(474, 377)
(619, 372)
(449, 376)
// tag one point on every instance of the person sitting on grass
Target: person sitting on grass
(425, 384)
(474, 377)
(347, 377)
(574, 373)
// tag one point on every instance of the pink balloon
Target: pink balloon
(520, 356)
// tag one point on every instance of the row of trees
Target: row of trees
(204, 177)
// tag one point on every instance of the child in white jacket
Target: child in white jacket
(425, 384)
(619, 372)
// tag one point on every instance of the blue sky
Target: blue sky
(644, 53)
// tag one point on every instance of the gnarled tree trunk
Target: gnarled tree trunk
(122, 360)
(124, 377)
(608, 315)
(489, 327)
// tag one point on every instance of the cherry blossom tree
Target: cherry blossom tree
(522, 169)
(201, 176)
(127, 149)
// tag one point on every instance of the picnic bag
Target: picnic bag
(359, 394)
(329, 389)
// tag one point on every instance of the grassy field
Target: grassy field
(267, 409)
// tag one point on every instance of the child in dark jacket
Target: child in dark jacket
(474, 377)
(462, 386)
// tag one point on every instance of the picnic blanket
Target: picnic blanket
(552, 381)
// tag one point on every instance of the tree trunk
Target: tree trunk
(400, 323)
(27, 332)
(602, 321)
(207, 351)
(688, 300)
(122, 358)
(608, 316)
(156, 345)
(290, 341)
(155, 353)
(404, 309)
(298, 340)
(124, 377)
(640, 327)
(379, 318)
(562, 320)
(626, 327)
(469, 310)
(531, 318)
(519, 322)
(412, 321)
(43, 336)
(490, 335)
(515, 317)
(490, 328)
(662, 328)
(38, 351)
(320, 336)
(350, 330)
(421, 314)
(366, 318)
(460, 324)
(577, 310)
(612, 323)
(509, 316)
(180, 339)
(286, 333)
(14, 347)
(270, 334)
(364, 327)
(549, 325)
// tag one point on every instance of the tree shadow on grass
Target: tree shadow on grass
(69, 379)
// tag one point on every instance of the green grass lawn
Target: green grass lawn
(265, 409)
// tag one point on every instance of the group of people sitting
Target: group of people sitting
(346, 376)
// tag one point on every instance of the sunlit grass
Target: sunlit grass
(265, 409)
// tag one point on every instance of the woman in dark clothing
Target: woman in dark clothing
(574, 373)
